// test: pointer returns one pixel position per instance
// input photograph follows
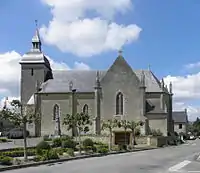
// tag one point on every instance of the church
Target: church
(120, 92)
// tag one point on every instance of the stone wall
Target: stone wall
(158, 141)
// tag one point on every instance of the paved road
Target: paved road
(165, 160)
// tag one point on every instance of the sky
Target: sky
(87, 34)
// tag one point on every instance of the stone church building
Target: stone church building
(119, 92)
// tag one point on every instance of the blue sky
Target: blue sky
(169, 40)
(170, 32)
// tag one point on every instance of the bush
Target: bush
(60, 151)
(88, 144)
(3, 140)
(102, 149)
(115, 148)
(5, 160)
(69, 144)
(70, 152)
(51, 154)
(18, 153)
(156, 132)
(57, 142)
(66, 137)
(43, 145)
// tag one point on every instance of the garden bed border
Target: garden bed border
(6, 168)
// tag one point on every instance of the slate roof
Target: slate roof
(156, 103)
(84, 81)
(180, 117)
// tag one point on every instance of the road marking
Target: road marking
(193, 171)
(178, 166)
(194, 144)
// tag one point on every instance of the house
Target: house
(117, 92)
(180, 121)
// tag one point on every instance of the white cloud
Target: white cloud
(193, 65)
(186, 91)
(10, 73)
(185, 87)
(81, 66)
(72, 31)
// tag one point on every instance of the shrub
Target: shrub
(102, 149)
(57, 142)
(69, 144)
(18, 153)
(43, 145)
(88, 144)
(51, 154)
(5, 160)
(3, 140)
(156, 132)
(70, 152)
(115, 148)
(60, 151)
(66, 137)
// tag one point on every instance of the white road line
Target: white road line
(194, 171)
(194, 144)
(178, 166)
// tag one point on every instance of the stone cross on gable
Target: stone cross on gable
(120, 52)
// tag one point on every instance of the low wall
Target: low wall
(103, 139)
(158, 141)
(141, 140)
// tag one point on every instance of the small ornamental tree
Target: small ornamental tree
(110, 125)
(20, 116)
(79, 121)
(132, 125)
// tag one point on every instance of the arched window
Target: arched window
(119, 104)
(55, 112)
(85, 109)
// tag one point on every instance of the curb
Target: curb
(7, 168)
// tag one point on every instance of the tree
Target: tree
(20, 116)
(79, 121)
(125, 125)
(132, 125)
(110, 125)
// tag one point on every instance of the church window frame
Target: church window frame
(85, 109)
(56, 112)
(119, 103)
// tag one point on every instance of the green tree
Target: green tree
(110, 125)
(79, 121)
(132, 125)
(20, 116)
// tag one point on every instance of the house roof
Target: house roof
(84, 81)
(156, 104)
(180, 116)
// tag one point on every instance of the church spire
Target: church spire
(36, 42)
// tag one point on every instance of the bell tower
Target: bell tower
(35, 67)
